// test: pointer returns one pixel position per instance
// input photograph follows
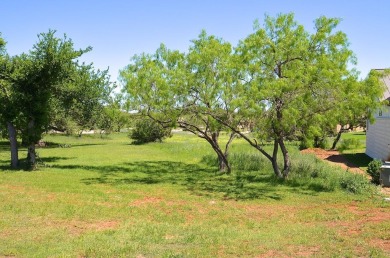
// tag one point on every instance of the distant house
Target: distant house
(378, 133)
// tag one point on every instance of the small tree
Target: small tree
(356, 103)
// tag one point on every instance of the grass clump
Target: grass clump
(356, 183)
(311, 170)
(349, 144)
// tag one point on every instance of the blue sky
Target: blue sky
(119, 29)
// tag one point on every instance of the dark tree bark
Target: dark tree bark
(212, 139)
(338, 136)
(286, 158)
(337, 139)
(31, 154)
(13, 144)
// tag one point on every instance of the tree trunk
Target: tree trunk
(14, 145)
(274, 160)
(337, 139)
(223, 163)
(286, 159)
(31, 155)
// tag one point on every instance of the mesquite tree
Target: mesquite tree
(178, 89)
(291, 81)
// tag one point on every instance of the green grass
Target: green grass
(103, 197)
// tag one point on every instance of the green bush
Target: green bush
(349, 144)
(355, 183)
(147, 130)
(373, 169)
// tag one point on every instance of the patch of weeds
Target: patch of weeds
(349, 144)
(356, 183)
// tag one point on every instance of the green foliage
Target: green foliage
(147, 130)
(374, 169)
(307, 171)
(348, 144)
(185, 90)
(47, 88)
(282, 82)
(356, 183)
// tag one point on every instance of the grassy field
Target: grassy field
(103, 197)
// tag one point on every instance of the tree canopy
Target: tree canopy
(178, 89)
(46, 82)
(281, 82)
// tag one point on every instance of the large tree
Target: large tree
(8, 103)
(291, 80)
(177, 89)
(36, 86)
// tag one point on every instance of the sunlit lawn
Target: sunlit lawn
(102, 197)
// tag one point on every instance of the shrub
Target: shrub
(147, 130)
(349, 144)
(355, 183)
(374, 169)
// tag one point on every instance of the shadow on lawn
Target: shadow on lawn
(4, 146)
(23, 166)
(200, 180)
(358, 159)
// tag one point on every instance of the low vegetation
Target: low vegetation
(374, 168)
(147, 130)
(103, 197)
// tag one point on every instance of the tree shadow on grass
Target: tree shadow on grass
(4, 145)
(54, 145)
(23, 166)
(200, 180)
(357, 159)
